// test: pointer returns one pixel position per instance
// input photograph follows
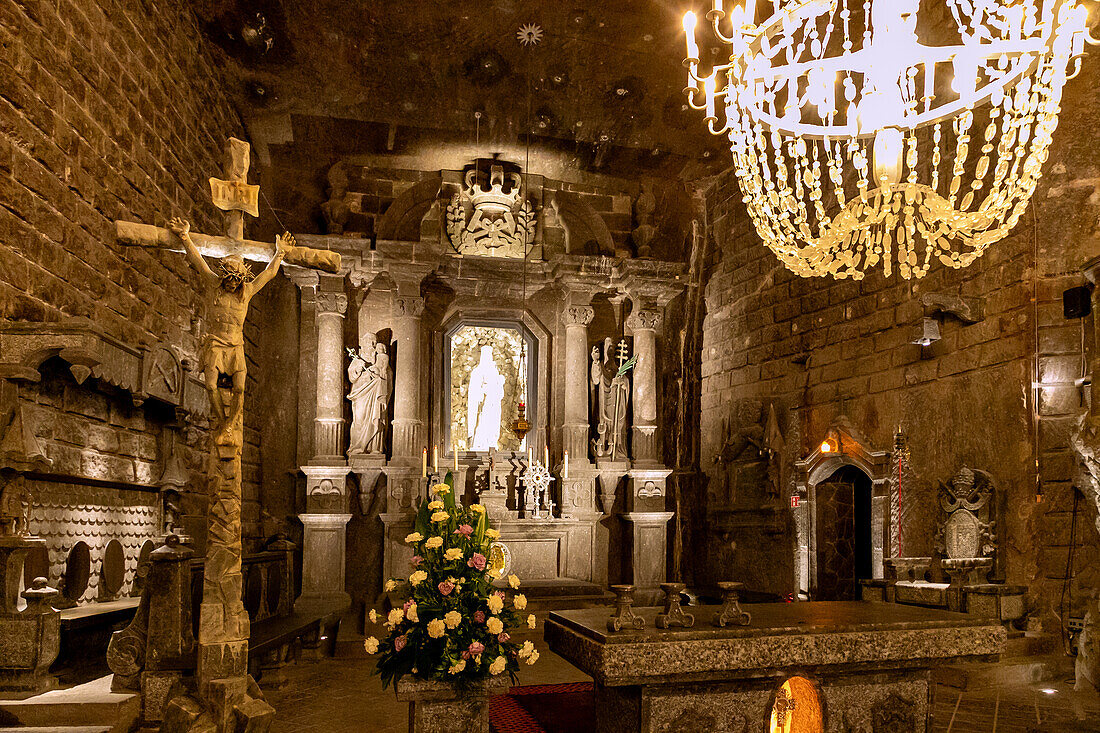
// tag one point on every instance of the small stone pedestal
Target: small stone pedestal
(29, 639)
(436, 706)
(647, 539)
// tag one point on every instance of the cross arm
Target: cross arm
(145, 235)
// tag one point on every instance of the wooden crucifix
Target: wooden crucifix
(227, 289)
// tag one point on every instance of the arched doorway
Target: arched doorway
(842, 456)
(843, 507)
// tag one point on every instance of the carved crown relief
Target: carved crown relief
(493, 221)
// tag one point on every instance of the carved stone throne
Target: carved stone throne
(967, 553)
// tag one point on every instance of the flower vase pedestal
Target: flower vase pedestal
(438, 706)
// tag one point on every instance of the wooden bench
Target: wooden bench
(281, 640)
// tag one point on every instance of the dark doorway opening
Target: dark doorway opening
(843, 534)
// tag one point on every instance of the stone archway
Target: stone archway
(840, 445)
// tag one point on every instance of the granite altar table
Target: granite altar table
(820, 666)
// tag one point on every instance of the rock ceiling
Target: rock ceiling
(604, 84)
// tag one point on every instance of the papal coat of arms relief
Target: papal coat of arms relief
(497, 221)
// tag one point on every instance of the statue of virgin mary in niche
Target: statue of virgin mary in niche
(483, 402)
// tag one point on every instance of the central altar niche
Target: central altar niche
(487, 366)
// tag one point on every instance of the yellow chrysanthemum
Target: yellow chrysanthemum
(520, 601)
(436, 628)
(414, 537)
(452, 619)
(494, 625)
(418, 577)
(434, 542)
(513, 580)
(440, 517)
(371, 645)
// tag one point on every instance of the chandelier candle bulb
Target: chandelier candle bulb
(689, 32)
(708, 92)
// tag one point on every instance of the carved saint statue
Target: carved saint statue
(369, 373)
(227, 296)
(14, 506)
(483, 402)
(611, 387)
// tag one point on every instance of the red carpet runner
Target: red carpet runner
(565, 708)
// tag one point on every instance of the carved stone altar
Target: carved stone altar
(484, 308)
(867, 660)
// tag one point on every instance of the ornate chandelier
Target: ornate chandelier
(856, 144)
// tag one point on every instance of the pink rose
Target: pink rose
(399, 643)
(503, 637)
(446, 587)
(477, 562)
(479, 616)
(465, 530)
(416, 560)
(475, 648)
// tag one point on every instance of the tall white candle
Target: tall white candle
(689, 33)
(565, 466)
(424, 465)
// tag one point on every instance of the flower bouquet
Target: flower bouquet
(455, 624)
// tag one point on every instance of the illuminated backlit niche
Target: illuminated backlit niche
(488, 366)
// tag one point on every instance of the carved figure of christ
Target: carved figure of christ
(227, 296)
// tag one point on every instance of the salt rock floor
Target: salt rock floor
(340, 695)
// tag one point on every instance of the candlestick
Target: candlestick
(424, 465)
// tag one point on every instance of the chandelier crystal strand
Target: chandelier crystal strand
(854, 151)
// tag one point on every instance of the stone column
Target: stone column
(404, 485)
(643, 323)
(575, 440)
(408, 426)
(328, 425)
(327, 512)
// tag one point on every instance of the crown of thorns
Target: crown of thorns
(234, 268)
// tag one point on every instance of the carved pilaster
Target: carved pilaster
(575, 434)
(643, 323)
(328, 427)
(407, 421)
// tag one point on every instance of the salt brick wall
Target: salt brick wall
(966, 400)
(108, 110)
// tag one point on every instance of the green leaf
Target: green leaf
(423, 522)
(449, 497)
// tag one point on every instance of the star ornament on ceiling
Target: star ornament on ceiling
(529, 34)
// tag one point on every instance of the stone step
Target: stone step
(91, 705)
(1009, 671)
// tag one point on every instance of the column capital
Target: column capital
(302, 277)
(331, 303)
(408, 307)
(577, 315)
(645, 320)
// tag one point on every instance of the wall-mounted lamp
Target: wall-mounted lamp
(831, 444)
(926, 332)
